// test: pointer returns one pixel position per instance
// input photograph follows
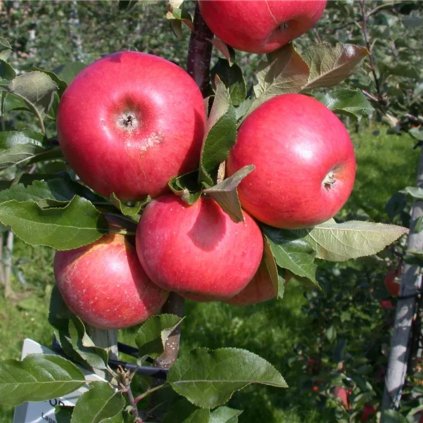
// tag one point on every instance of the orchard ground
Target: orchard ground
(349, 304)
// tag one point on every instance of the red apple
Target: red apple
(104, 284)
(386, 304)
(392, 282)
(259, 289)
(304, 162)
(197, 250)
(342, 394)
(129, 122)
(368, 412)
(260, 26)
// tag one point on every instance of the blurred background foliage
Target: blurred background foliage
(321, 340)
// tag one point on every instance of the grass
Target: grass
(386, 163)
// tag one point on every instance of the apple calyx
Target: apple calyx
(128, 121)
(329, 180)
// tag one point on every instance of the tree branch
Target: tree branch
(199, 53)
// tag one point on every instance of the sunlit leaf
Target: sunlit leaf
(208, 378)
(37, 377)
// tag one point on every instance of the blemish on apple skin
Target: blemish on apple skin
(151, 141)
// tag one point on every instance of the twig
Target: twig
(365, 32)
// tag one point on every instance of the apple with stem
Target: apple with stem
(304, 162)
(104, 284)
(260, 26)
(197, 250)
(129, 122)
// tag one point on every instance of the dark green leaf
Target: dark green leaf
(101, 404)
(127, 4)
(152, 335)
(225, 193)
(291, 251)
(208, 378)
(232, 77)
(38, 377)
(186, 186)
(219, 140)
(79, 347)
(63, 414)
(392, 416)
(6, 70)
(78, 223)
(350, 102)
(59, 313)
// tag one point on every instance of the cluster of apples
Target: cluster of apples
(131, 121)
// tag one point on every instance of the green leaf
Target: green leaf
(350, 102)
(320, 66)
(349, 240)
(208, 378)
(225, 415)
(78, 223)
(285, 71)
(18, 147)
(231, 75)
(186, 186)
(6, 70)
(101, 404)
(152, 335)
(392, 416)
(219, 140)
(38, 377)
(130, 209)
(36, 87)
(80, 348)
(291, 251)
(225, 193)
(330, 65)
(198, 416)
(38, 191)
(418, 226)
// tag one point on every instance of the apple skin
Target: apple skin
(104, 284)
(390, 281)
(129, 122)
(304, 162)
(260, 26)
(368, 412)
(197, 251)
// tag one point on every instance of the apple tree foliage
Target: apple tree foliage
(44, 204)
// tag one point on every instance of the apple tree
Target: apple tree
(161, 184)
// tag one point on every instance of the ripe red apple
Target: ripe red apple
(342, 394)
(104, 284)
(304, 162)
(197, 250)
(129, 122)
(260, 26)
(386, 304)
(392, 283)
